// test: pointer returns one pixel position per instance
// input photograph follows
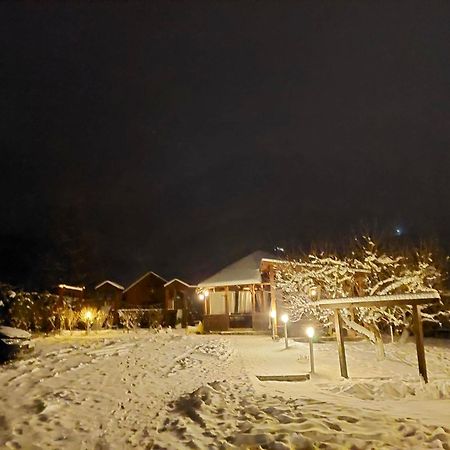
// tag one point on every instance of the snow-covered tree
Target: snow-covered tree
(366, 271)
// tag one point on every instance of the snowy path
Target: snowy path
(167, 390)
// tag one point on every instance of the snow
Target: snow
(72, 288)
(11, 332)
(177, 280)
(243, 271)
(116, 285)
(404, 299)
(166, 389)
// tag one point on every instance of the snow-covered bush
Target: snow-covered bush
(27, 310)
(130, 318)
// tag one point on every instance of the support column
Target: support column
(227, 307)
(418, 332)
(340, 342)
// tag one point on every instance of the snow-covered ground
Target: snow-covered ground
(144, 390)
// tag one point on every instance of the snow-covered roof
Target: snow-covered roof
(244, 271)
(73, 288)
(179, 281)
(381, 300)
(118, 286)
(144, 276)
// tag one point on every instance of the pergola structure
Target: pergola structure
(414, 300)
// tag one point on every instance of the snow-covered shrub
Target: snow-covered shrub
(130, 318)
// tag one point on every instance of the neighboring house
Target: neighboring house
(242, 295)
(145, 292)
(180, 297)
(109, 293)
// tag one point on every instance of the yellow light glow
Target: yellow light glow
(285, 318)
(201, 296)
(273, 314)
(88, 316)
(310, 332)
(206, 293)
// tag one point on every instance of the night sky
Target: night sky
(179, 136)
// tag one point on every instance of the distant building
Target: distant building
(242, 295)
(108, 293)
(146, 292)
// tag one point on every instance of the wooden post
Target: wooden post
(252, 289)
(227, 296)
(340, 342)
(273, 301)
(418, 331)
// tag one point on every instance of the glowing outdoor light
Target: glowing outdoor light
(87, 315)
(206, 293)
(201, 296)
(285, 320)
(310, 333)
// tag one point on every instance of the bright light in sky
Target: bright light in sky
(398, 231)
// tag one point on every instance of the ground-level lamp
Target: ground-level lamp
(310, 334)
(87, 317)
(285, 320)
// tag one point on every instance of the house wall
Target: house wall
(149, 292)
(108, 294)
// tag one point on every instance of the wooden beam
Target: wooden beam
(340, 342)
(302, 377)
(418, 331)
(227, 294)
(424, 298)
(252, 289)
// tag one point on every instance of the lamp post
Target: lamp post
(285, 320)
(310, 334)
(273, 315)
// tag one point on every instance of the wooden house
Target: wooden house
(242, 295)
(108, 293)
(180, 299)
(146, 292)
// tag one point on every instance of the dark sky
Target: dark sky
(179, 136)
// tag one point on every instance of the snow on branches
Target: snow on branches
(365, 271)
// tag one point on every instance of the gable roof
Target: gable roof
(144, 276)
(116, 285)
(243, 271)
(174, 280)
